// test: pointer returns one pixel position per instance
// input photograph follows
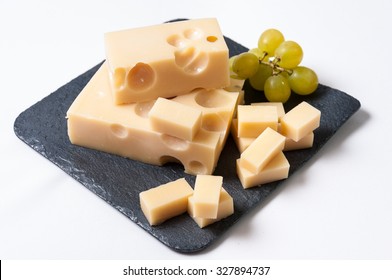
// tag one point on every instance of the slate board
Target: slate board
(119, 181)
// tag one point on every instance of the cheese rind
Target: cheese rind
(206, 196)
(300, 121)
(166, 60)
(225, 209)
(175, 119)
(94, 121)
(276, 169)
(253, 120)
(165, 201)
(265, 147)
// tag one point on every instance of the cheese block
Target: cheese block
(165, 201)
(276, 169)
(265, 147)
(253, 120)
(166, 60)
(206, 196)
(225, 209)
(94, 121)
(300, 121)
(241, 142)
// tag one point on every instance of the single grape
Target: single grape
(245, 65)
(260, 55)
(231, 60)
(277, 89)
(269, 40)
(289, 54)
(303, 80)
(257, 81)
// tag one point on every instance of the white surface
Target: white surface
(339, 206)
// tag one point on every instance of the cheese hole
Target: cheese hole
(167, 159)
(193, 33)
(119, 131)
(119, 77)
(142, 109)
(183, 57)
(196, 167)
(176, 41)
(141, 76)
(175, 143)
(213, 122)
(209, 99)
(211, 39)
(198, 64)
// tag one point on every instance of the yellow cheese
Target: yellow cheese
(300, 121)
(165, 201)
(94, 121)
(166, 60)
(206, 196)
(253, 120)
(278, 105)
(276, 169)
(265, 147)
(303, 143)
(241, 142)
(225, 209)
(175, 119)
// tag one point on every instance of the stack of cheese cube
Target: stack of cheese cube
(159, 97)
(262, 131)
(208, 203)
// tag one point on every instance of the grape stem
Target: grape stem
(276, 69)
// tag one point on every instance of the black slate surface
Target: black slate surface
(119, 181)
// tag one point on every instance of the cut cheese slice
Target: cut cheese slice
(276, 169)
(165, 201)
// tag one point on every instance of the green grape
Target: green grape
(231, 60)
(269, 40)
(303, 80)
(257, 52)
(245, 65)
(257, 81)
(289, 54)
(277, 89)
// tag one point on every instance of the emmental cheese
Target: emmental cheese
(206, 196)
(166, 60)
(225, 209)
(265, 147)
(276, 169)
(165, 201)
(253, 120)
(175, 119)
(300, 121)
(94, 121)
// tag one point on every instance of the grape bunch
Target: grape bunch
(273, 67)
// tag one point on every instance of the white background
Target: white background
(339, 206)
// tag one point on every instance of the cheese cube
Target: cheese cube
(175, 119)
(225, 209)
(278, 105)
(166, 60)
(94, 121)
(206, 196)
(241, 142)
(265, 147)
(300, 121)
(276, 169)
(165, 201)
(253, 120)
(303, 143)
